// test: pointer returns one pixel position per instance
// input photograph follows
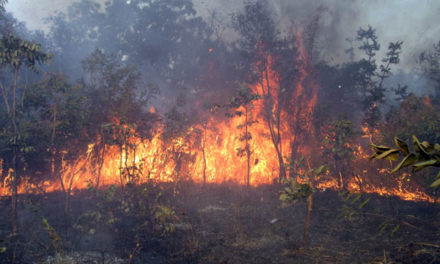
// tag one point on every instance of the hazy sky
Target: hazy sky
(416, 22)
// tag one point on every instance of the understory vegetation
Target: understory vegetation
(219, 224)
(149, 131)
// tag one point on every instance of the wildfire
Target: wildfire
(208, 152)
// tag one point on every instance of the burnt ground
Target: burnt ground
(189, 223)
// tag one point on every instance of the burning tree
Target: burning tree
(337, 146)
(242, 103)
(279, 72)
(179, 139)
(117, 99)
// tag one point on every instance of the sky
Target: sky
(416, 22)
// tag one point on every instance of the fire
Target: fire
(208, 152)
(427, 100)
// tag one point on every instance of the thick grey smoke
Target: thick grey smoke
(414, 22)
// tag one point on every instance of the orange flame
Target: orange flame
(207, 152)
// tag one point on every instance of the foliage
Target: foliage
(337, 147)
(401, 91)
(164, 219)
(371, 77)
(296, 191)
(259, 37)
(125, 137)
(242, 104)
(114, 89)
(54, 237)
(16, 52)
(338, 139)
(272, 58)
(54, 119)
(414, 115)
(430, 62)
(180, 139)
(353, 204)
(244, 97)
(425, 155)
(134, 216)
(166, 40)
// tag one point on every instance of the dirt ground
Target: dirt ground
(190, 223)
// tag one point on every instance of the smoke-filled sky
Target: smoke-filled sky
(416, 22)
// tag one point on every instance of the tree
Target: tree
(115, 88)
(5, 22)
(179, 137)
(272, 67)
(430, 62)
(414, 116)
(59, 140)
(165, 39)
(370, 78)
(337, 146)
(74, 35)
(60, 108)
(242, 104)
(296, 191)
(117, 103)
(15, 53)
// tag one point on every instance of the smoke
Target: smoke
(414, 22)
(409, 21)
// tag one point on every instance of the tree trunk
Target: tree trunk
(282, 172)
(293, 152)
(52, 139)
(14, 191)
(248, 154)
(121, 168)
(204, 154)
(14, 158)
(101, 154)
(307, 222)
(275, 135)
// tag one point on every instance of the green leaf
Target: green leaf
(435, 183)
(382, 227)
(395, 229)
(283, 197)
(356, 199)
(319, 170)
(426, 145)
(379, 149)
(392, 154)
(420, 165)
(407, 161)
(402, 145)
(348, 197)
(364, 203)
(420, 149)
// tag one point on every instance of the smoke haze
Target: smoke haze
(414, 22)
